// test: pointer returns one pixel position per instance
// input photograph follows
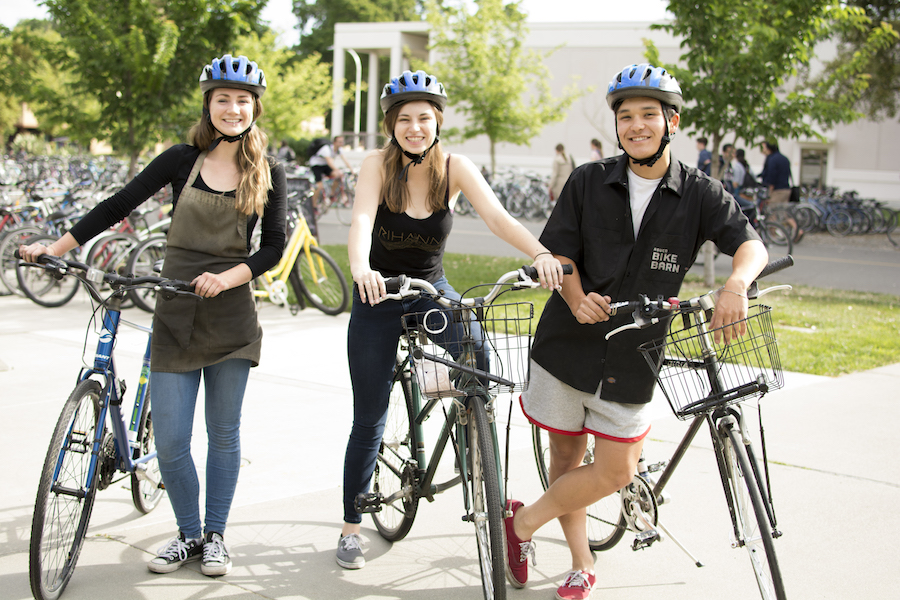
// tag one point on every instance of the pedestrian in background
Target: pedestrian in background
(596, 150)
(562, 167)
(704, 159)
(221, 191)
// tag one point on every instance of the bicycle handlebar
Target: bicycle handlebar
(524, 277)
(646, 312)
(60, 267)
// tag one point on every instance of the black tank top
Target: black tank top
(402, 245)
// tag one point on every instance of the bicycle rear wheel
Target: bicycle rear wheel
(322, 281)
(755, 531)
(141, 262)
(66, 493)
(487, 511)
(41, 286)
(146, 480)
(395, 466)
(9, 243)
(605, 522)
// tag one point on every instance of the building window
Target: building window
(813, 163)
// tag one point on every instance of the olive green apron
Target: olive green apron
(207, 234)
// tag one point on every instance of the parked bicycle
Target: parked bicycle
(313, 275)
(427, 373)
(704, 384)
(98, 439)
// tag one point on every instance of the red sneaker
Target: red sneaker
(517, 550)
(578, 586)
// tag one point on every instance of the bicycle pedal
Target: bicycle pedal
(644, 540)
(368, 503)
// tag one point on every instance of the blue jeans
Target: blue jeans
(372, 349)
(174, 398)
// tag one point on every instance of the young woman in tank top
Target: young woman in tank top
(401, 220)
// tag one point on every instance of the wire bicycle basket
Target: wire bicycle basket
(696, 376)
(491, 351)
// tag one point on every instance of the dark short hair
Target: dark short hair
(772, 146)
(596, 142)
(726, 147)
(703, 140)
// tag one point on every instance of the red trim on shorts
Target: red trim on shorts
(583, 431)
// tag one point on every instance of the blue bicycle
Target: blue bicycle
(97, 436)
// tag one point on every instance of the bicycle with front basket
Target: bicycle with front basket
(426, 374)
(706, 385)
(99, 437)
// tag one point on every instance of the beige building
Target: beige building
(861, 156)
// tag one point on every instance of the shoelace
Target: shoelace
(350, 542)
(174, 549)
(214, 550)
(526, 549)
(577, 579)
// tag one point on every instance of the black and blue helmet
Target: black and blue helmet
(233, 72)
(413, 86)
(644, 80)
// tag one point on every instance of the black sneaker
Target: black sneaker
(176, 553)
(215, 556)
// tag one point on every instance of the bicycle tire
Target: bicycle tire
(9, 243)
(343, 205)
(487, 501)
(605, 522)
(751, 516)
(839, 222)
(43, 288)
(395, 464)
(777, 239)
(66, 493)
(141, 262)
(328, 291)
(146, 488)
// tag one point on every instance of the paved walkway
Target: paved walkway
(832, 444)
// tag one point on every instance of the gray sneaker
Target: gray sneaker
(176, 553)
(215, 556)
(349, 552)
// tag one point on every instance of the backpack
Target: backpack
(315, 146)
(749, 180)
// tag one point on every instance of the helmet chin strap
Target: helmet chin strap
(416, 158)
(224, 138)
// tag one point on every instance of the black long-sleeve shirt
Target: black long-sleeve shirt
(174, 166)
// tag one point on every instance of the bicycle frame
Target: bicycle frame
(300, 241)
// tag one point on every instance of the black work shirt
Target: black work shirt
(591, 225)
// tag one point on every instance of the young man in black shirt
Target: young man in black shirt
(629, 224)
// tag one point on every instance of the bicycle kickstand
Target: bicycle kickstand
(679, 544)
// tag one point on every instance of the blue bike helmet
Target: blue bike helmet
(229, 72)
(644, 80)
(413, 86)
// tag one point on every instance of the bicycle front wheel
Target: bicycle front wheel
(754, 529)
(322, 281)
(146, 480)
(66, 493)
(605, 522)
(40, 286)
(486, 501)
(395, 467)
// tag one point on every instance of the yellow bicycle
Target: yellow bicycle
(311, 273)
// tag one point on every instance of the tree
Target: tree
(742, 65)
(881, 99)
(296, 91)
(142, 60)
(503, 89)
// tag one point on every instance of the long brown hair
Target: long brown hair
(394, 190)
(256, 179)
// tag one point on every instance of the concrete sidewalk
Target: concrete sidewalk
(831, 443)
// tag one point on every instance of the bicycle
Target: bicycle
(425, 374)
(312, 273)
(703, 385)
(98, 435)
(338, 193)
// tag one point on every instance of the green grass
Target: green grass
(820, 331)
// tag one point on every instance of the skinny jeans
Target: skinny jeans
(372, 339)
(173, 403)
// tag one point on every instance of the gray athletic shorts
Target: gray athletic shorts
(555, 406)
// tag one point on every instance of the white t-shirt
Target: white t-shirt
(318, 159)
(640, 191)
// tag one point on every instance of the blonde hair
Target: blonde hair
(252, 158)
(394, 190)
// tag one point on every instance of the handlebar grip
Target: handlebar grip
(392, 284)
(776, 265)
(532, 272)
